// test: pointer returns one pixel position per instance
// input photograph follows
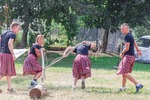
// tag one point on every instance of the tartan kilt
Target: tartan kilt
(31, 65)
(126, 64)
(81, 66)
(7, 65)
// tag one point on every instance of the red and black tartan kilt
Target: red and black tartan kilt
(7, 65)
(31, 65)
(126, 64)
(81, 66)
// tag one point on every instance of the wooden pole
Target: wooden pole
(38, 91)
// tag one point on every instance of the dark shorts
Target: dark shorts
(126, 64)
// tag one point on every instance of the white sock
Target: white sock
(123, 88)
(82, 80)
(73, 86)
(138, 84)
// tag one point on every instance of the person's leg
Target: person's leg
(83, 82)
(1, 76)
(124, 80)
(9, 88)
(130, 78)
(9, 80)
(74, 82)
(37, 76)
(138, 86)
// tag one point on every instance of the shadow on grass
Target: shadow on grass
(104, 90)
(93, 90)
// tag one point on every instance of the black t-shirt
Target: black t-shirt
(2, 40)
(9, 35)
(82, 49)
(32, 50)
(129, 38)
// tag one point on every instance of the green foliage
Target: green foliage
(18, 39)
(37, 15)
(140, 31)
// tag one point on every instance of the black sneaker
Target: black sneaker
(82, 85)
(33, 84)
(140, 86)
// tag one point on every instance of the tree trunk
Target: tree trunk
(105, 41)
(37, 92)
(97, 39)
(24, 36)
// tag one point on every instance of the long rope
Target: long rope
(43, 70)
(54, 61)
(60, 58)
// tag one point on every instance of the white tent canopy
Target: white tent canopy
(19, 52)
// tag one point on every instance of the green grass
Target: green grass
(103, 84)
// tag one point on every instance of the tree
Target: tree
(32, 11)
(108, 14)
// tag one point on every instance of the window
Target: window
(142, 42)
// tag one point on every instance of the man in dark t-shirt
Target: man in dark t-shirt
(2, 40)
(8, 36)
(7, 57)
(126, 64)
(81, 68)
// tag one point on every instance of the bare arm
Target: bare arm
(137, 49)
(38, 53)
(127, 45)
(67, 50)
(10, 46)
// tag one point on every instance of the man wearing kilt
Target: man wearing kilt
(126, 64)
(81, 64)
(7, 57)
(31, 64)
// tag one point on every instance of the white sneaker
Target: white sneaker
(73, 88)
(121, 89)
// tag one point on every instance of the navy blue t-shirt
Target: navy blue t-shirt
(82, 49)
(2, 40)
(9, 35)
(129, 38)
(32, 50)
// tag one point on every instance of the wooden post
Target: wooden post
(38, 91)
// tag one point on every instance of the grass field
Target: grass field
(103, 84)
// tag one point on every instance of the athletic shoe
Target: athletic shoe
(121, 89)
(140, 86)
(11, 91)
(73, 88)
(33, 84)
